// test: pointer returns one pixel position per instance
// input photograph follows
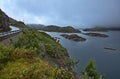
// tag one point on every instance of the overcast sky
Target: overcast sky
(81, 13)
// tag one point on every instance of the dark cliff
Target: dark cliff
(4, 21)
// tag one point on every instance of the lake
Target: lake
(107, 61)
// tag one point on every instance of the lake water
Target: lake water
(107, 61)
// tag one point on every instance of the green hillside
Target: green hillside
(26, 59)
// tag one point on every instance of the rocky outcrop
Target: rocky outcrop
(73, 37)
(108, 48)
(4, 21)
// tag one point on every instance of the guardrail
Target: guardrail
(3, 34)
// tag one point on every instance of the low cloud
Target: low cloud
(64, 12)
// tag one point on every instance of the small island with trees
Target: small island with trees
(96, 34)
(103, 29)
(73, 37)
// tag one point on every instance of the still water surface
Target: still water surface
(107, 61)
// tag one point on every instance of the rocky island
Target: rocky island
(108, 48)
(96, 35)
(96, 29)
(73, 37)
(103, 29)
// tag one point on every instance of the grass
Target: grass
(23, 60)
(22, 63)
(17, 24)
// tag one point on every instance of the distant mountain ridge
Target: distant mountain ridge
(103, 29)
(66, 29)
(36, 26)
(54, 28)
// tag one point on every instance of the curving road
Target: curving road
(14, 30)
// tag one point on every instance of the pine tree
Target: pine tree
(91, 70)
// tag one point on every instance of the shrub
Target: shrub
(29, 40)
(5, 54)
(23, 63)
(91, 71)
(71, 63)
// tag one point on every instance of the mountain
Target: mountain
(103, 29)
(4, 21)
(54, 28)
(36, 26)
(66, 29)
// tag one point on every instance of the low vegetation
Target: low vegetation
(90, 71)
(19, 63)
(36, 55)
(17, 23)
(23, 59)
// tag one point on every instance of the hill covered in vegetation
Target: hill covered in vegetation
(16, 23)
(67, 29)
(73, 37)
(37, 58)
(54, 28)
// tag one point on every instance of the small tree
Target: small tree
(91, 70)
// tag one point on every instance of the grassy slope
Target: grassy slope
(18, 24)
(23, 59)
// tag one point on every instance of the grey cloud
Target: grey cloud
(65, 12)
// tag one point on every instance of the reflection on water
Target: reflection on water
(107, 61)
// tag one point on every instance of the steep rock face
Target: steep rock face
(4, 21)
